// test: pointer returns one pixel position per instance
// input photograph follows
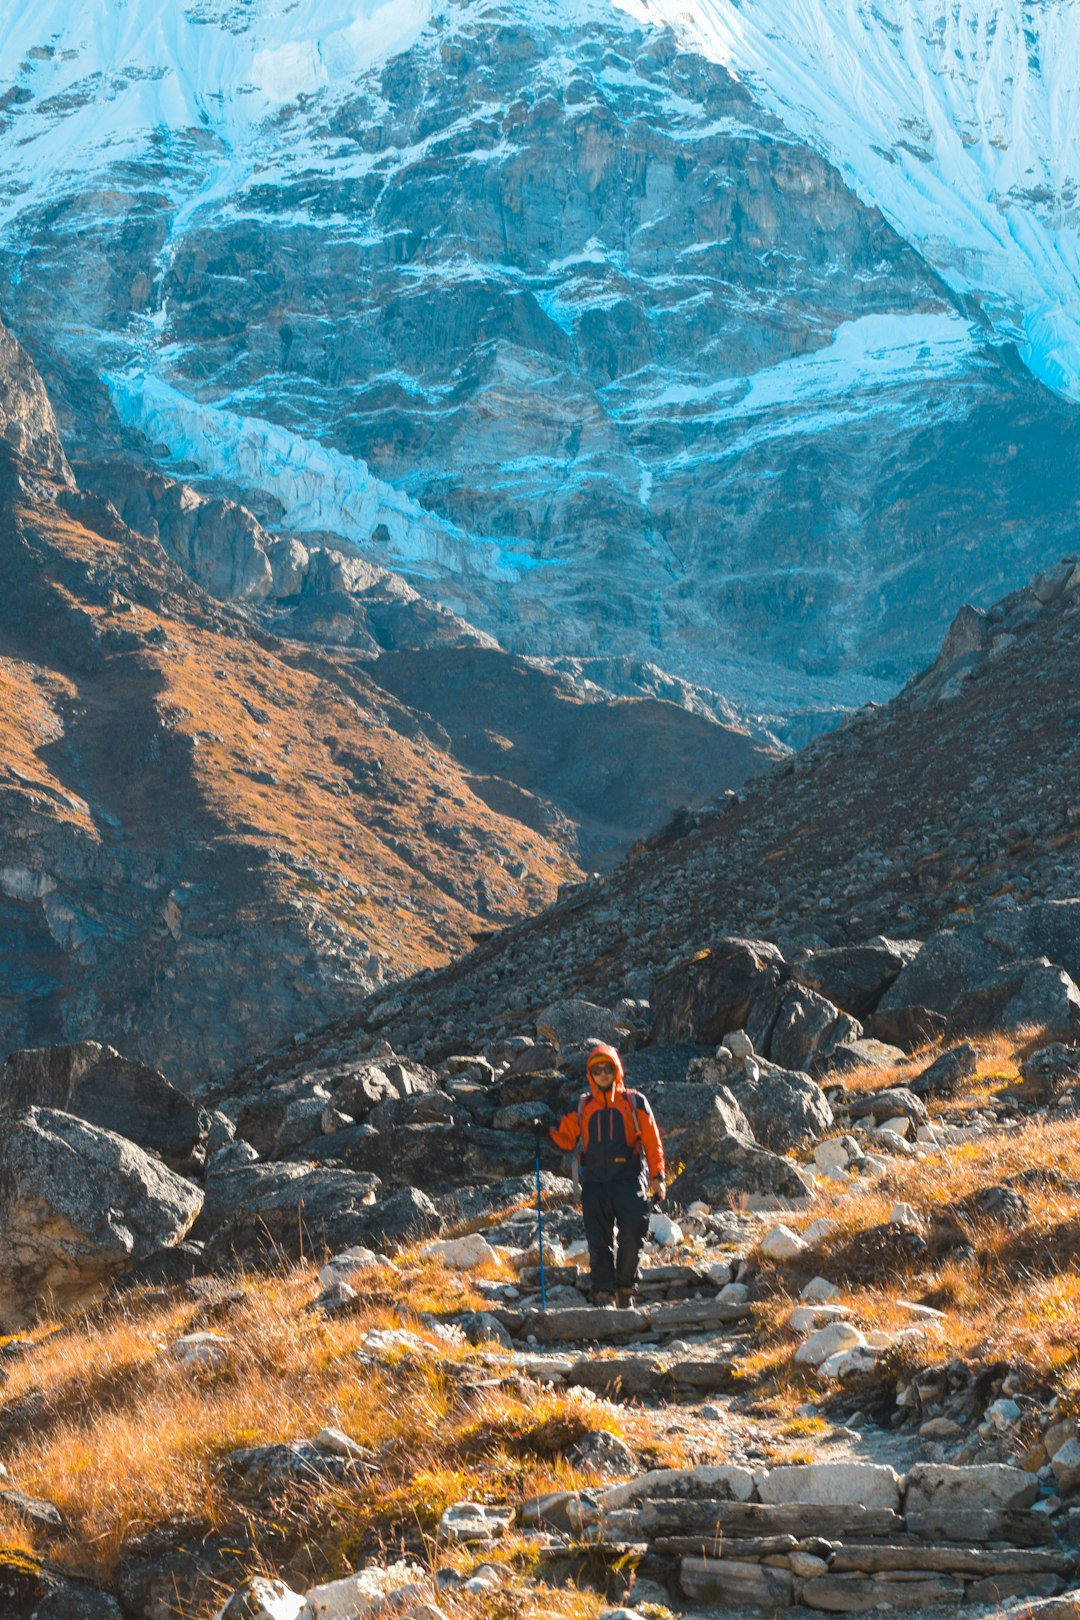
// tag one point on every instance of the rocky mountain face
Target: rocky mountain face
(950, 808)
(220, 825)
(541, 307)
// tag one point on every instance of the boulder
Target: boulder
(715, 990)
(359, 1090)
(786, 1109)
(401, 1218)
(604, 1453)
(441, 1158)
(693, 1118)
(738, 1170)
(256, 1210)
(827, 1341)
(878, 1106)
(855, 977)
(961, 959)
(831, 1484)
(461, 1253)
(1049, 1072)
(1034, 993)
(96, 1084)
(261, 1598)
(266, 1471)
(807, 1026)
(907, 1027)
(852, 1056)
(949, 1075)
(933, 1488)
(79, 1207)
(578, 1023)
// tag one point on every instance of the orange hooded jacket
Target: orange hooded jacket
(638, 1123)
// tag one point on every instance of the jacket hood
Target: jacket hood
(609, 1052)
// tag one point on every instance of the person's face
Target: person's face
(603, 1072)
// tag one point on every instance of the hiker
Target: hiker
(618, 1147)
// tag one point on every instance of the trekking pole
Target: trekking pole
(540, 1229)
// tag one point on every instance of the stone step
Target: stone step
(652, 1373)
(707, 1518)
(566, 1324)
(877, 1558)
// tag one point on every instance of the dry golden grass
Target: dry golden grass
(997, 1067)
(124, 1438)
(1009, 1292)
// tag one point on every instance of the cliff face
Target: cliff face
(212, 834)
(544, 308)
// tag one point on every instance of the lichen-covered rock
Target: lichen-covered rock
(79, 1206)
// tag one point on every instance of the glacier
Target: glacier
(959, 119)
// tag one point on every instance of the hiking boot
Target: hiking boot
(624, 1298)
(603, 1300)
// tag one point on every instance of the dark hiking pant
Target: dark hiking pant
(609, 1205)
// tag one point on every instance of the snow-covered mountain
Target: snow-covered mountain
(737, 337)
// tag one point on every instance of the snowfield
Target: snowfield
(959, 119)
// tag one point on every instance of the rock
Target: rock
(882, 1105)
(341, 1268)
(180, 1566)
(472, 1523)
(79, 1207)
(287, 1209)
(1066, 1465)
(738, 1169)
(201, 1349)
(481, 1327)
(267, 1471)
(733, 1583)
(948, 1076)
(603, 1453)
(343, 1445)
(828, 1341)
(786, 1109)
(1001, 1204)
(904, 1215)
(906, 1028)
(401, 1218)
(819, 1291)
(519, 1116)
(96, 1084)
(262, 1599)
(722, 1482)
(396, 1590)
(578, 1023)
(959, 959)
(856, 977)
(714, 991)
(832, 1154)
(1049, 1072)
(863, 1594)
(828, 1484)
(693, 1119)
(32, 1510)
(851, 1057)
(807, 1027)
(878, 1252)
(806, 1318)
(849, 1366)
(461, 1254)
(739, 1044)
(934, 1488)
(441, 1157)
(1031, 994)
(663, 1230)
(781, 1243)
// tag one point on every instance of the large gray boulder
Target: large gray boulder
(715, 991)
(79, 1206)
(808, 1027)
(98, 1085)
(575, 1023)
(693, 1118)
(855, 977)
(1031, 994)
(784, 1107)
(738, 1171)
(958, 960)
(257, 1210)
(440, 1157)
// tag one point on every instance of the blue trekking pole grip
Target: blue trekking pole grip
(540, 1230)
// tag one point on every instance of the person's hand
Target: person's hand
(657, 1189)
(539, 1129)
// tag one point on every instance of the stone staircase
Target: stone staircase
(840, 1537)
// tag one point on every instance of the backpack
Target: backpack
(637, 1104)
